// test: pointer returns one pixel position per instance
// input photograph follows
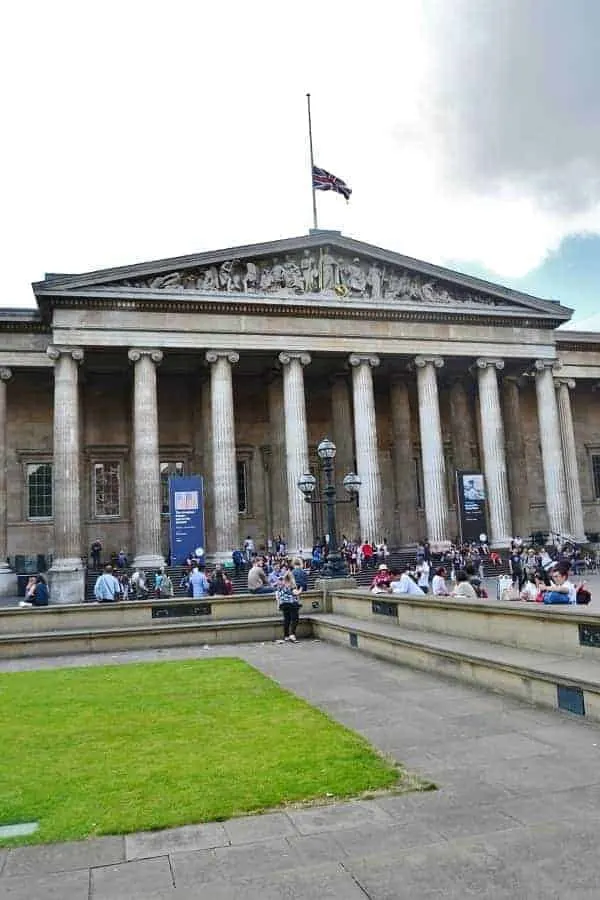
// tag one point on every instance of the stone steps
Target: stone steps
(550, 680)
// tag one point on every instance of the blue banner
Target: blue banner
(472, 513)
(186, 509)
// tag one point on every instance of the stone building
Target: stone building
(234, 364)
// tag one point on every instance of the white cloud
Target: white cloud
(139, 129)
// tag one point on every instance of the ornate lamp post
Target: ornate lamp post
(335, 567)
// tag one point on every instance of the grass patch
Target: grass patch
(115, 749)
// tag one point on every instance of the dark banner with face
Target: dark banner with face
(470, 489)
(186, 509)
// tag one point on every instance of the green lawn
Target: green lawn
(115, 749)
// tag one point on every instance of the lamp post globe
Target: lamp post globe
(326, 449)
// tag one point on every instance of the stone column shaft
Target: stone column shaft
(552, 455)
(575, 506)
(515, 457)
(277, 462)
(493, 446)
(403, 462)
(225, 488)
(66, 575)
(300, 536)
(432, 449)
(367, 447)
(341, 418)
(7, 578)
(146, 462)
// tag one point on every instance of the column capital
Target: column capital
(76, 353)
(287, 356)
(421, 361)
(567, 382)
(5, 374)
(357, 359)
(484, 362)
(213, 356)
(540, 365)
(136, 353)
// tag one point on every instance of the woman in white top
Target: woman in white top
(464, 589)
(438, 583)
(423, 579)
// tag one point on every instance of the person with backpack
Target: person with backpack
(163, 585)
(107, 589)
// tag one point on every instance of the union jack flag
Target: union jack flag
(325, 181)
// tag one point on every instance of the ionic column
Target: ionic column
(66, 574)
(224, 460)
(8, 581)
(367, 448)
(432, 449)
(494, 458)
(402, 457)
(341, 420)
(552, 456)
(277, 464)
(300, 536)
(565, 415)
(146, 462)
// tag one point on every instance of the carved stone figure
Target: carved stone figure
(209, 281)
(292, 275)
(330, 271)
(374, 281)
(277, 275)
(354, 277)
(250, 277)
(309, 271)
(166, 282)
(266, 279)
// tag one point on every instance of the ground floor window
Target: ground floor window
(168, 469)
(595, 457)
(107, 489)
(39, 490)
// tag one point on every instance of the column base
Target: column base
(148, 561)
(502, 543)
(8, 582)
(67, 581)
(220, 558)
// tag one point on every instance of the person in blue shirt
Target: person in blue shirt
(198, 583)
(300, 575)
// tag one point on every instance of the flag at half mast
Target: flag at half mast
(325, 181)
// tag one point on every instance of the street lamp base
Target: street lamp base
(335, 567)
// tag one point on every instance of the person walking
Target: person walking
(288, 598)
(107, 589)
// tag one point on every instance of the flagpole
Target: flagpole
(312, 165)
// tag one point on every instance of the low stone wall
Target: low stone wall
(567, 630)
(79, 617)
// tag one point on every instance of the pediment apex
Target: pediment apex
(318, 265)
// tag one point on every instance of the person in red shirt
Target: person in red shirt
(367, 554)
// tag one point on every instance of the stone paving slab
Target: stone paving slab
(516, 816)
(175, 840)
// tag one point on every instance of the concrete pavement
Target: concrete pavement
(516, 814)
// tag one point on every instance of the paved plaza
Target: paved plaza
(516, 814)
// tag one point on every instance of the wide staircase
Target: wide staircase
(396, 559)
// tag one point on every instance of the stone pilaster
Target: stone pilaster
(367, 447)
(8, 580)
(515, 456)
(341, 419)
(146, 462)
(493, 446)
(224, 471)
(462, 426)
(565, 415)
(432, 449)
(300, 535)
(403, 464)
(277, 460)
(66, 574)
(552, 456)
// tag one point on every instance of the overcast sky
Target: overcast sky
(469, 131)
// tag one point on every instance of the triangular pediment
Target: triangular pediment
(323, 267)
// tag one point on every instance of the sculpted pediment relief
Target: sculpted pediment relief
(314, 273)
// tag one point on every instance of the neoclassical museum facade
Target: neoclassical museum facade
(234, 364)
